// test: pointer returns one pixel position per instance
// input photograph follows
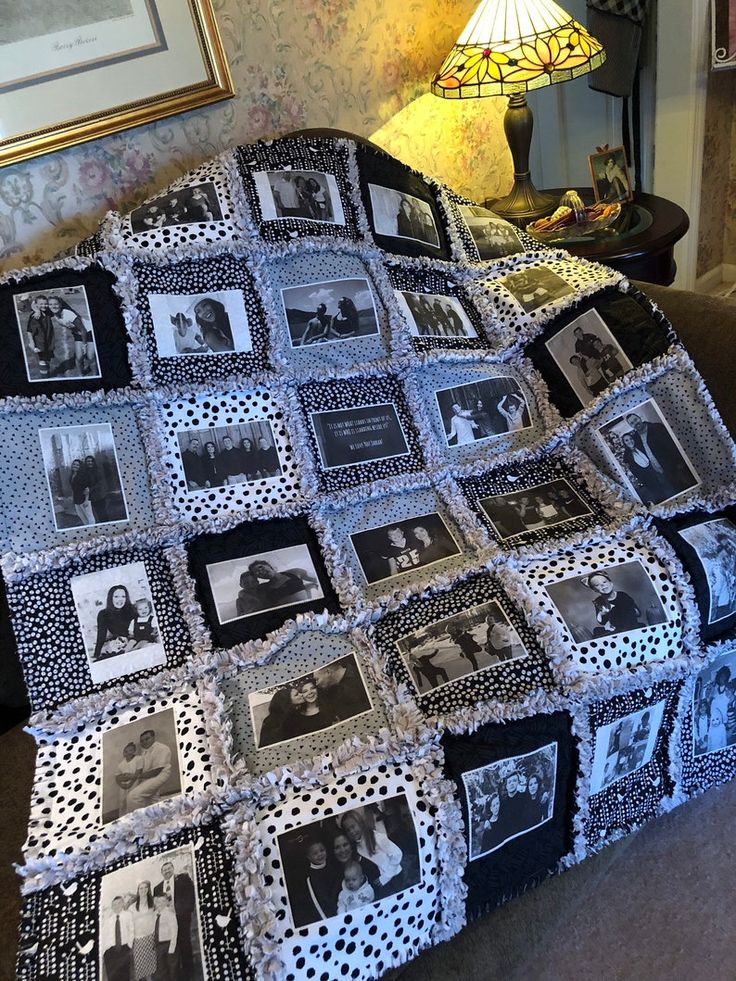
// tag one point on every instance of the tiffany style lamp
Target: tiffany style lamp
(506, 48)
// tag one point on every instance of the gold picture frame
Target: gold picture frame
(101, 66)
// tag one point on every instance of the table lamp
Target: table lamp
(506, 48)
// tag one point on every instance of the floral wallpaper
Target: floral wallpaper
(357, 65)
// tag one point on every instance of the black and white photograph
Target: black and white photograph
(714, 543)
(493, 237)
(140, 765)
(340, 863)
(188, 205)
(509, 798)
(624, 746)
(401, 215)
(361, 434)
(149, 920)
(118, 621)
(262, 582)
(312, 702)
(434, 315)
(223, 456)
(609, 174)
(616, 600)
(441, 652)
(588, 355)
(57, 334)
(403, 546)
(482, 410)
(647, 454)
(714, 706)
(83, 476)
(200, 323)
(534, 287)
(302, 194)
(330, 311)
(533, 508)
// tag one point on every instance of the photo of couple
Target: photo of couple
(624, 746)
(341, 863)
(714, 706)
(403, 546)
(402, 215)
(481, 410)
(329, 311)
(509, 798)
(304, 194)
(199, 323)
(56, 334)
(432, 315)
(188, 205)
(223, 456)
(313, 702)
(588, 355)
(465, 643)
(532, 508)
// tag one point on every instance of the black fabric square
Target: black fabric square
(521, 747)
(288, 544)
(705, 543)
(384, 172)
(91, 293)
(639, 333)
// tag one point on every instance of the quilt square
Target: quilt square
(227, 452)
(516, 785)
(297, 186)
(62, 332)
(256, 577)
(436, 309)
(316, 699)
(707, 732)
(527, 504)
(628, 776)
(200, 320)
(95, 785)
(360, 431)
(705, 543)
(586, 350)
(456, 649)
(398, 542)
(329, 313)
(68, 475)
(487, 235)
(404, 212)
(109, 619)
(103, 923)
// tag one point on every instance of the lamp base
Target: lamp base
(524, 203)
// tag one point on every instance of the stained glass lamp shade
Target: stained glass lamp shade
(506, 48)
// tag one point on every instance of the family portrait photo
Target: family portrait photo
(493, 236)
(361, 434)
(647, 454)
(57, 334)
(199, 323)
(305, 194)
(588, 355)
(329, 311)
(535, 286)
(118, 621)
(403, 546)
(222, 456)
(188, 205)
(541, 506)
(482, 410)
(619, 599)
(465, 643)
(263, 581)
(714, 705)
(140, 764)
(401, 215)
(83, 475)
(337, 864)
(509, 798)
(714, 543)
(149, 920)
(433, 315)
(610, 175)
(312, 702)
(624, 746)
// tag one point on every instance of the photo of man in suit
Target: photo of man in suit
(179, 889)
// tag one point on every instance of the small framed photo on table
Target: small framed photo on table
(609, 175)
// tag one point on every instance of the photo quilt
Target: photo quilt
(368, 562)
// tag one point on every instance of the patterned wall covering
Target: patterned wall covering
(349, 64)
(717, 231)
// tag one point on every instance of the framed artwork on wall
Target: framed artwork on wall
(723, 33)
(74, 72)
